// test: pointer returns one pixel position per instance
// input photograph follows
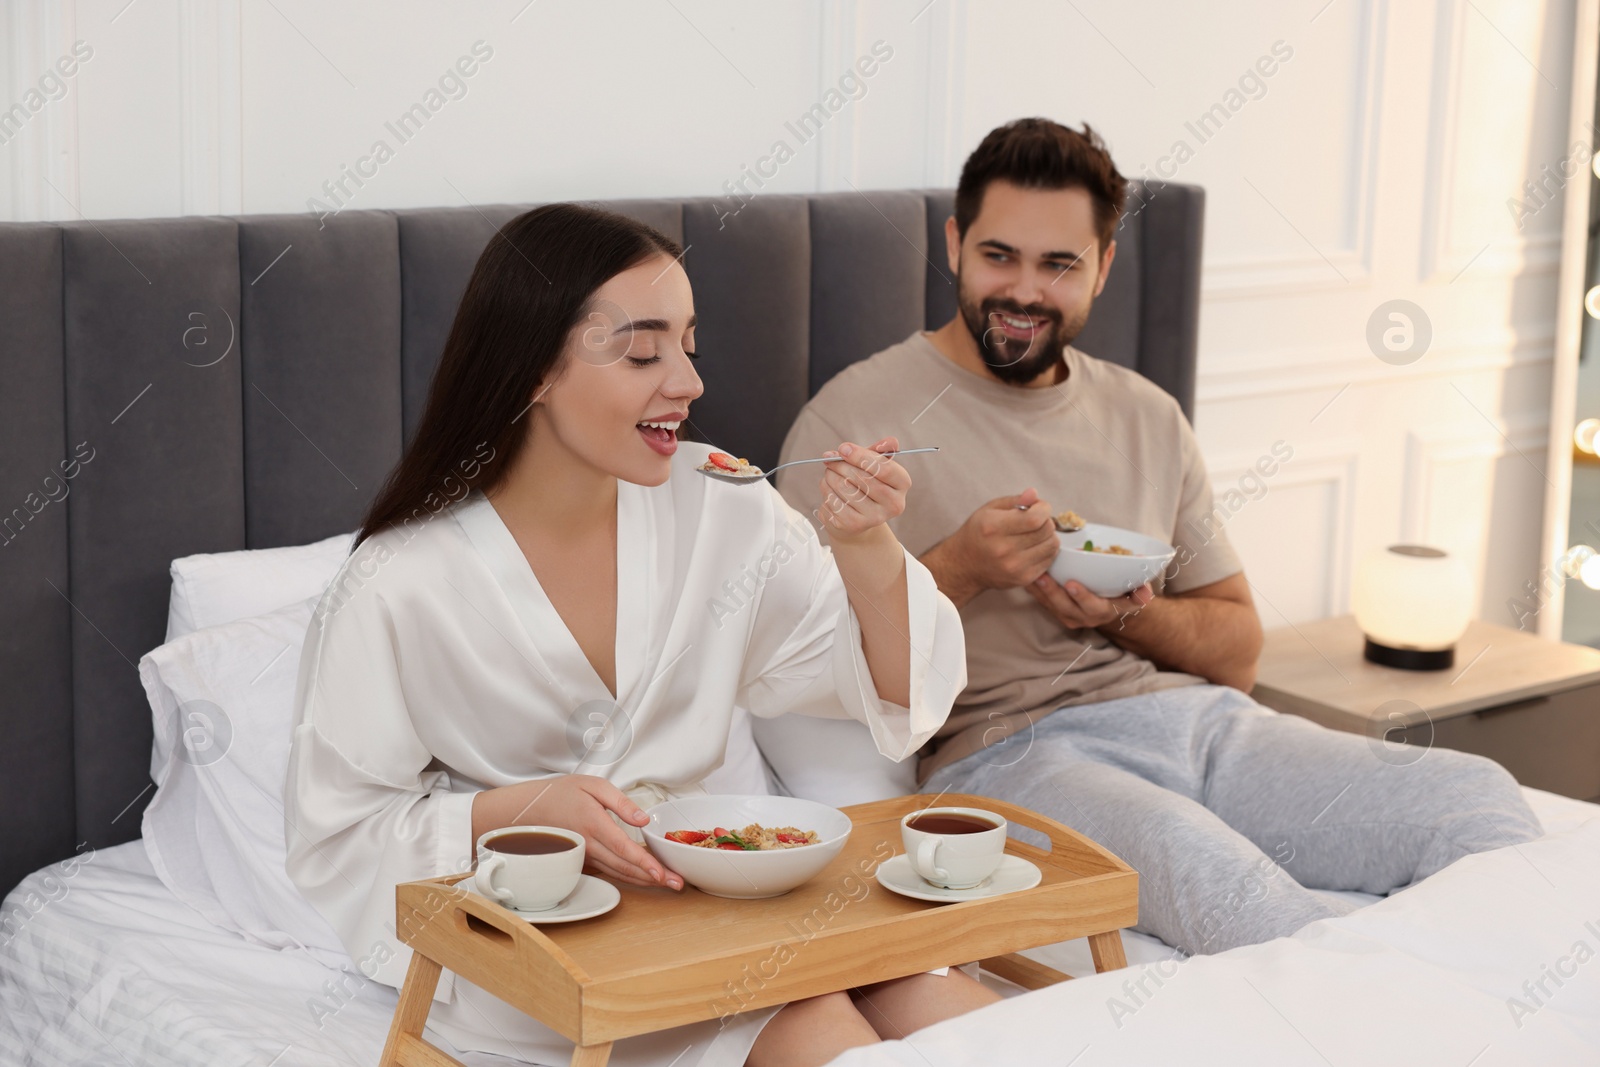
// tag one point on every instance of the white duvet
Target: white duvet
(1490, 962)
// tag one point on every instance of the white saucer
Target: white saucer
(1013, 874)
(593, 896)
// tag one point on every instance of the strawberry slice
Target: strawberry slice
(686, 837)
(723, 460)
(793, 839)
(733, 847)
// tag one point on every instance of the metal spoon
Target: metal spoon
(727, 476)
(1069, 526)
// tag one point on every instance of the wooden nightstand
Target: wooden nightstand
(1531, 704)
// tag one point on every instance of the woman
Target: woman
(568, 639)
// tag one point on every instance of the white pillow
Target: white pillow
(210, 589)
(214, 829)
(831, 761)
(217, 587)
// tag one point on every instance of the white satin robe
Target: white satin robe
(435, 666)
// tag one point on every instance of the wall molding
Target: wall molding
(839, 34)
(1252, 278)
(1429, 448)
(944, 131)
(210, 87)
(1443, 261)
(45, 152)
(1330, 367)
(846, 31)
(1309, 272)
(1335, 464)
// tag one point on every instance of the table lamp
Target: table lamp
(1413, 604)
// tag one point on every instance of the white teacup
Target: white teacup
(518, 877)
(944, 853)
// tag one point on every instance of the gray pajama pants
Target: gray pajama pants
(1233, 814)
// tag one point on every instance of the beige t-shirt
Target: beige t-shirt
(1105, 442)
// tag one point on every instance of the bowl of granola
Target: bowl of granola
(746, 847)
(1108, 560)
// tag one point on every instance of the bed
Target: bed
(240, 386)
(115, 970)
(206, 384)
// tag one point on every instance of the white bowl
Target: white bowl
(745, 875)
(1105, 574)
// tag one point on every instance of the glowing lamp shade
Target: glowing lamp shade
(1413, 604)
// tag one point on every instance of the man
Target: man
(1124, 718)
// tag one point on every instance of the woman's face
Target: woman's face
(626, 380)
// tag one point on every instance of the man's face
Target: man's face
(1027, 273)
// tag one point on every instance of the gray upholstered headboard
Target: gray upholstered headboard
(248, 383)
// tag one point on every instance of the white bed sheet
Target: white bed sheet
(107, 968)
(114, 971)
(1440, 974)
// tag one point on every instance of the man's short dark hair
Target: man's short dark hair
(1041, 154)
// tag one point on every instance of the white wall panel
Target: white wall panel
(1497, 177)
(1463, 480)
(1292, 526)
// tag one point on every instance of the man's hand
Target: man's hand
(1077, 608)
(1008, 542)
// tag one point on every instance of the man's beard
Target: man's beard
(1015, 361)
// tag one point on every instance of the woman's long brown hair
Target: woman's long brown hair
(531, 286)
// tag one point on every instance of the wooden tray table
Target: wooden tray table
(662, 959)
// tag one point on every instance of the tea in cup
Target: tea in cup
(529, 868)
(954, 848)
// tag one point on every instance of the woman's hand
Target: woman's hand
(581, 803)
(862, 489)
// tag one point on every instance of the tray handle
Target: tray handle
(474, 919)
(487, 928)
